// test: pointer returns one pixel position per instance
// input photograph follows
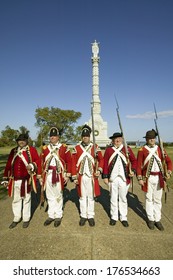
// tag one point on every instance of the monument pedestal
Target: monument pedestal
(100, 128)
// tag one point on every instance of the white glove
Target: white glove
(4, 183)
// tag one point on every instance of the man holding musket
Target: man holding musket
(152, 178)
(87, 165)
(21, 171)
(118, 170)
(56, 164)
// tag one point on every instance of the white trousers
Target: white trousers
(21, 206)
(118, 199)
(153, 199)
(87, 198)
(54, 198)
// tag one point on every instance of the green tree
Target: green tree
(8, 136)
(64, 120)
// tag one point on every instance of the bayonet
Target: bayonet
(121, 129)
(158, 134)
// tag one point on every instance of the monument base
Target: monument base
(100, 128)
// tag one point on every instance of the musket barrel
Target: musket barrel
(162, 152)
(125, 143)
(93, 129)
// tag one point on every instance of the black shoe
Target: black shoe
(57, 222)
(125, 223)
(48, 221)
(150, 224)
(25, 224)
(112, 222)
(13, 224)
(82, 221)
(159, 226)
(91, 222)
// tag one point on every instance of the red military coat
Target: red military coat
(143, 171)
(63, 154)
(16, 168)
(109, 164)
(76, 165)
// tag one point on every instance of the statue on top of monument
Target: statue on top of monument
(95, 49)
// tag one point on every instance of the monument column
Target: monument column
(95, 78)
(99, 125)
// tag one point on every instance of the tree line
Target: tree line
(64, 120)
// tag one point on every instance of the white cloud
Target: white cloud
(151, 115)
(165, 114)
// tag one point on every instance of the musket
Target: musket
(42, 198)
(93, 129)
(166, 188)
(125, 143)
(93, 135)
(42, 192)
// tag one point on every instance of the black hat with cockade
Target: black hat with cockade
(115, 135)
(86, 130)
(150, 134)
(54, 131)
(22, 137)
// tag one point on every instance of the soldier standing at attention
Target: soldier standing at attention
(21, 171)
(86, 168)
(151, 177)
(56, 163)
(117, 173)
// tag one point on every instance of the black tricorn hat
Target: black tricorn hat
(115, 135)
(86, 130)
(151, 134)
(22, 137)
(54, 131)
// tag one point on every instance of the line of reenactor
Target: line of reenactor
(84, 165)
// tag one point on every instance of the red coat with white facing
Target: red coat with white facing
(76, 165)
(108, 166)
(16, 169)
(143, 171)
(64, 155)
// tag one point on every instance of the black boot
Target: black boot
(13, 225)
(82, 221)
(91, 222)
(57, 222)
(48, 221)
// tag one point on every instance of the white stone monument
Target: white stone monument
(100, 126)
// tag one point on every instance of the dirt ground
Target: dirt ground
(102, 242)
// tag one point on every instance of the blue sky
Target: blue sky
(45, 60)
